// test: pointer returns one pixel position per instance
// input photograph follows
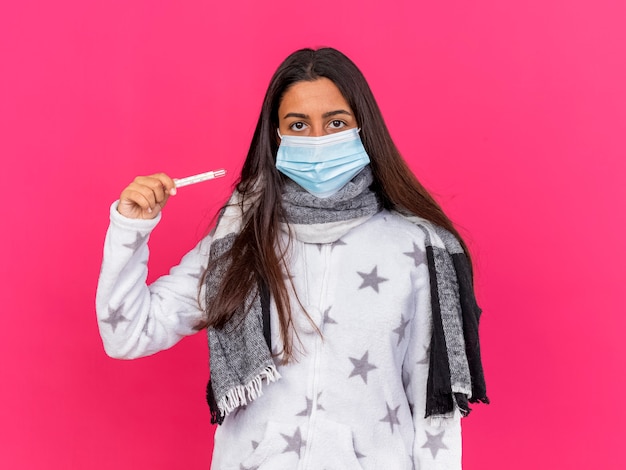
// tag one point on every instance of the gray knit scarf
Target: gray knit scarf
(241, 362)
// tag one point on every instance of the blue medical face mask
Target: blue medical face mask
(322, 165)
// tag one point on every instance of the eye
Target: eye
(336, 124)
(297, 126)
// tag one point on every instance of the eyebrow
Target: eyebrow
(325, 115)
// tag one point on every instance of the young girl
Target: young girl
(342, 325)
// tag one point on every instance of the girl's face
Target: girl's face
(314, 109)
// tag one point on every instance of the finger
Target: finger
(151, 184)
(168, 183)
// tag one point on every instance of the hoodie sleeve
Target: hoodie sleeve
(135, 319)
(437, 443)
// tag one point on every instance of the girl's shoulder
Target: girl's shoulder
(394, 224)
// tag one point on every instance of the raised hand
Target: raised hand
(146, 196)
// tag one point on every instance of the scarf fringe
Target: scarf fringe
(242, 394)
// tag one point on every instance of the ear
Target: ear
(278, 138)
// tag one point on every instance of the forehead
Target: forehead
(315, 97)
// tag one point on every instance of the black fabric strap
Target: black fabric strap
(471, 316)
(439, 398)
(216, 416)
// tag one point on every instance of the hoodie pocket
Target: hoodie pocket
(333, 448)
(284, 446)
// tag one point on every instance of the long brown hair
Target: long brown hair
(256, 257)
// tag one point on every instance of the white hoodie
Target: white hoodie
(354, 395)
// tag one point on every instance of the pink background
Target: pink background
(512, 113)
